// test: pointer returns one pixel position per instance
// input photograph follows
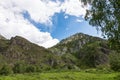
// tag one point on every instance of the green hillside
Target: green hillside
(20, 50)
(83, 50)
(75, 52)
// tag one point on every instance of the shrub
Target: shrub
(104, 68)
(19, 68)
(117, 77)
(115, 61)
(30, 68)
(38, 69)
(5, 70)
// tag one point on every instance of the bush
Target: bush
(30, 68)
(117, 77)
(115, 61)
(104, 68)
(19, 68)
(5, 70)
(38, 69)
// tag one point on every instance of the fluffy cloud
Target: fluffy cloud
(73, 7)
(12, 21)
(79, 20)
(39, 10)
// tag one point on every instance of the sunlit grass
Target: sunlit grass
(69, 75)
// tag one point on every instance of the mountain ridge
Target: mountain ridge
(73, 52)
(82, 46)
(19, 49)
(1, 37)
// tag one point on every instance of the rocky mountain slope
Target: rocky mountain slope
(74, 43)
(1, 37)
(77, 51)
(18, 49)
(83, 50)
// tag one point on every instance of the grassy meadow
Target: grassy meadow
(66, 75)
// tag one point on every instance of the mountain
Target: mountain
(77, 51)
(1, 37)
(83, 50)
(18, 49)
(74, 43)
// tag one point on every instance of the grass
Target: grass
(68, 75)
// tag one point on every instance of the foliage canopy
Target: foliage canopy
(104, 15)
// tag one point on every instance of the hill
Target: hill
(83, 50)
(77, 51)
(1, 37)
(20, 50)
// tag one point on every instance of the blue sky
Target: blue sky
(64, 27)
(43, 22)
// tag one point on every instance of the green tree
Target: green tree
(104, 15)
(115, 61)
(5, 70)
(90, 55)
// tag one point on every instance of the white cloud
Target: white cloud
(65, 17)
(12, 21)
(79, 20)
(42, 10)
(39, 10)
(74, 8)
